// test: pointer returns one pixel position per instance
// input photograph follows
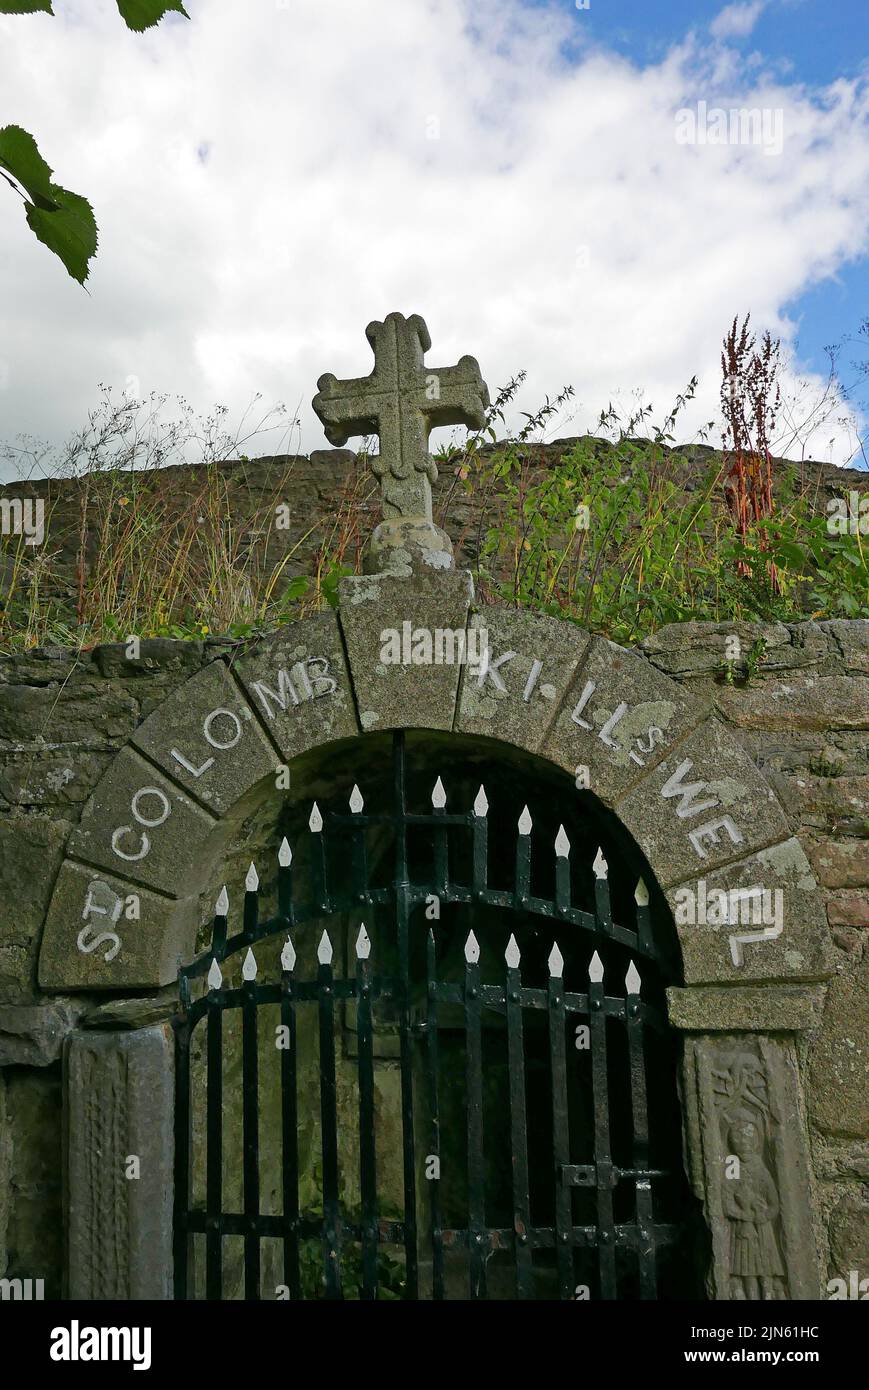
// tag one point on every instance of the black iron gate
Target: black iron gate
(588, 1208)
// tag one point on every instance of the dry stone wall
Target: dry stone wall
(311, 489)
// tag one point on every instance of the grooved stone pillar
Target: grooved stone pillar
(119, 1117)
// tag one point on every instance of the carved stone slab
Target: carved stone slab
(140, 825)
(120, 1097)
(764, 918)
(405, 693)
(619, 719)
(750, 1008)
(105, 933)
(299, 685)
(515, 693)
(210, 741)
(748, 1149)
(704, 805)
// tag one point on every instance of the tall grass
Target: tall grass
(622, 532)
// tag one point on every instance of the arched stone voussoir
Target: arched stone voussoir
(761, 918)
(395, 628)
(139, 824)
(620, 716)
(207, 738)
(298, 682)
(104, 932)
(514, 693)
(703, 806)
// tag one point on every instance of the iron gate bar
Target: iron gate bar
(560, 1135)
(329, 1122)
(491, 996)
(433, 1070)
(215, 1005)
(518, 1123)
(367, 1152)
(643, 1235)
(602, 1155)
(590, 1175)
(393, 1232)
(417, 896)
(180, 1230)
(250, 1127)
(401, 884)
(478, 1234)
(289, 1131)
(639, 1110)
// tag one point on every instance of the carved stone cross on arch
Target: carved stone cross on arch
(402, 400)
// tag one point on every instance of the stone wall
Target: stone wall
(802, 715)
(312, 488)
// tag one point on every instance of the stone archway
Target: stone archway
(656, 759)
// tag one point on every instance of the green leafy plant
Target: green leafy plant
(62, 221)
(618, 531)
(624, 533)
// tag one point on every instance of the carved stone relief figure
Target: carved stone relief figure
(749, 1194)
(751, 1204)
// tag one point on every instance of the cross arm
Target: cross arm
(462, 397)
(346, 408)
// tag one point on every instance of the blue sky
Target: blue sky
(513, 170)
(814, 42)
(818, 40)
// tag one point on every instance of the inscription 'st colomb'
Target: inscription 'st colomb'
(403, 401)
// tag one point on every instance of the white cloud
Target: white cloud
(323, 203)
(737, 21)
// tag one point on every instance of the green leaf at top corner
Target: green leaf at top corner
(26, 7)
(70, 231)
(140, 15)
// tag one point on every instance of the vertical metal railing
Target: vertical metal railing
(214, 1137)
(289, 1125)
(560, 1124)
(434, 1154)
(510, 1003)
(518, 1124)
(329, 1121)
(367, 1146)
(478, 1235)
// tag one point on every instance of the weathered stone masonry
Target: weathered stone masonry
(800, 1008)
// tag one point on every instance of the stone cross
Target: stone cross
(402, 401)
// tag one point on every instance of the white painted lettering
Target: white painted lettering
(490, 668)
(533, 677)
(161, 796)
(584, 698)
(215, 742)
(710, 831)
(194, 771)
(285, 691)
(673, 787)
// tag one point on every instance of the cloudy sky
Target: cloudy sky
(273, 174)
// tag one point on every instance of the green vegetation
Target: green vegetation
(622, 537)
(621, 533)
(62, 221)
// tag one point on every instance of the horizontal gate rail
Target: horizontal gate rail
(512, 999)
(493, 997)
(325, 900)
